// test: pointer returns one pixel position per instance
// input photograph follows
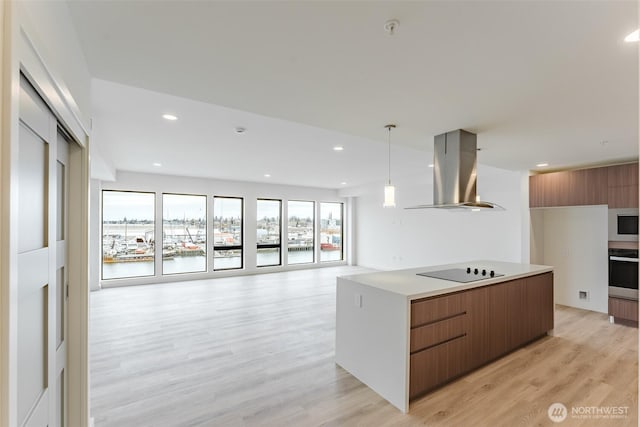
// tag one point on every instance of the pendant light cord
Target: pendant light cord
(389, 127)
(389, 155)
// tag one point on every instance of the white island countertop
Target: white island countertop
(407, 282)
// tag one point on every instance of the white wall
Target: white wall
(536, 234)
(211, 187)
(392, 238)
(575, 243)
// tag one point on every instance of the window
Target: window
(227, 233)
(268, 232)
(184, 233)
(128, 229)
(300, 230)
(330, 231)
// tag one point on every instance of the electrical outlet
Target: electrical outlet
(583, 295)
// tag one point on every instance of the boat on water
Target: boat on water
(136, 257)
(107, 259)
(329, 247)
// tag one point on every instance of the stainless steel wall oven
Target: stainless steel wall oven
(623, 273)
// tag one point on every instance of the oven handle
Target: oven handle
(624, 259)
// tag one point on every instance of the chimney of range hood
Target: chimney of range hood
(454, 172)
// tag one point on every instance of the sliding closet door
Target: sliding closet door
(41, 264)
(61, 277)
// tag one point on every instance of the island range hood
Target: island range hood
(454, 173)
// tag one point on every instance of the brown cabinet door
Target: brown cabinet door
(479, 321)
(489, 333)
(536, 192)
(623, 186)
(539, 308)
(623, 309)
(588, 187)
(549, 189)
(516, 320)
(624, 196)
(497, 322)
(620, 175)
(502, 317)
(556, 188)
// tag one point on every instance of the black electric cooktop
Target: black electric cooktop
(462, 275)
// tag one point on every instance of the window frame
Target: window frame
(206, 227)
(341, 232)
(313, 222)
(102, 191)
(239, 247)
(270, 245)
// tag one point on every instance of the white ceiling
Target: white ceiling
(536, 80)
(131, 132)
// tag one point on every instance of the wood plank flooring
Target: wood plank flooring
(259, 351)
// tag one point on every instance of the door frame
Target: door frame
(20, 54)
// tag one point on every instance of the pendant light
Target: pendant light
(389, 190)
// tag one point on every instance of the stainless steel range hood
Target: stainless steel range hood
(454, 173)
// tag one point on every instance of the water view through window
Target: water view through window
(268, 232)
(227, 233)
(300, 232)
(128, 244)
(331, 231)
(184, 233)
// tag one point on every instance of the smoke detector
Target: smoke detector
(391, 26)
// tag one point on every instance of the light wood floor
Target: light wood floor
(258, 351)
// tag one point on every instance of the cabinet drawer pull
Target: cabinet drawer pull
(440, 343)
(439, 320)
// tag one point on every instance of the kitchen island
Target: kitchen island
(404, 334)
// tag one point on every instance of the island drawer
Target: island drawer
(439, 332)
(437, 365)
(431, 310)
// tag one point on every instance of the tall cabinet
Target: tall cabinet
(615, 186)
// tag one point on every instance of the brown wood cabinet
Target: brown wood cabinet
(624, 196)
(623, 186)
(455, 333)
(624, 309)
(620, 175)
(616, 186)
(569, 188)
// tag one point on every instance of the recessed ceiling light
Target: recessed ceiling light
(541, 165)
(338, 148)
(157, 164)
(431, 165)
(169, 117)
(240, 129)
(633, 37)
(267, 175)
(343, 183)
